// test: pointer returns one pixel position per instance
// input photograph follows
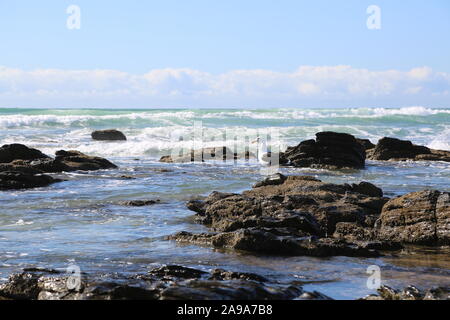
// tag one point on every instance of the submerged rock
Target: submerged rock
(391, 149)
(139, 203)
(418, 218)
(330, 150)
(108, 135)
(13, 180)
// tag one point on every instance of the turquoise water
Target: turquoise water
(79, 221)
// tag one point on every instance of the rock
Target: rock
(417, 218)
(275, 242)
(65, 161)
(302, 204)
(368, 189)
(228, 290)
(314, 296)
(163, 283)
(12, 180)
(410, 293)
(220, 274)
(11, 152)
(366, 143)
(178, 272)
(205, 154)
(108, 135)
(330, 150)
(391, 149)
(138, 203)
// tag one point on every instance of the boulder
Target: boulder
(304, 204)
(417, 218)
(11, 152)
(391, 149)
(13, 180)
(108, 135)
(330, 150)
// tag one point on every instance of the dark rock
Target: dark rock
(228, 290)
(12, 180)
(108, 135)
(11, 152)
(417, 218)
(314, 296)
(391, 149)
(410, 293)
(163, 283)
(173, 271)
(220, 274)
(138, 203)
(367, 189)
(304, 205)
(267, 241)
(206, 154)
(330, 150)
(65, 161)
(366, 143)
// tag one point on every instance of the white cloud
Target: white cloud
(308, 85)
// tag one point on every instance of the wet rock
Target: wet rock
(417, 218)
(220, 274)
(228, 290)
(11, 152)
(366, 143)
(391, 149)
(14, 180)
(108, 135)
(410, 293)
(368, 189)
(65, 161)
(139, 203)
(206, 154)
(314, 296)
(302, 204)
(163, 283)
(330, 150)
(276, 242)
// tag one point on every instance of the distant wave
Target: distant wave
(153, 132)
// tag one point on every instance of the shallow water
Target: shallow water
(80, 222)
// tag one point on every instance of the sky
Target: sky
(224, 53)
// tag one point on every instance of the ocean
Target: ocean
(79, 221)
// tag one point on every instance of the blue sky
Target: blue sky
(205, 44)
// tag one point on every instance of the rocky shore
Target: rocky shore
(281, 215)
(174, 282)
(22, 167)
(301, 215)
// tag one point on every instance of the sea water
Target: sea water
(81, 222)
